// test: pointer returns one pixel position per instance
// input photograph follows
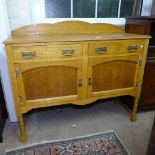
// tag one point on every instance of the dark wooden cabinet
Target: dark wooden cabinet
(151, 146)
(3, 112)
(146, 26)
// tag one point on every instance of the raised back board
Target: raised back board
(67, 27)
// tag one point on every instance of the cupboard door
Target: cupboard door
(54, 81)
(112, 75)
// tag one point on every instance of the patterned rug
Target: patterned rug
(105, 143)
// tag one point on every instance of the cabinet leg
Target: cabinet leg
(21, 122)
(134, 111)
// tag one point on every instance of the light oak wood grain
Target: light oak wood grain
(42, 76)
(114, 47)
(46, 52)
(67, 27)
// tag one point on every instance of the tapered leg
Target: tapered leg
(134, 111)
(21, 122)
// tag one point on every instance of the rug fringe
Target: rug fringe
(122, 143)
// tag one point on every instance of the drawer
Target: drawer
(47, 52)
(114, 47)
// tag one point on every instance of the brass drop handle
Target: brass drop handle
(101, 50)
(68, 52)
(134, 48)
(80, 83)
(28, 54)
(89, 82)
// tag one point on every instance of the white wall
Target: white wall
(19, 13)
(4, 33)
(32, 11)
(27, 12)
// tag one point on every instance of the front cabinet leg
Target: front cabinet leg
(21, 123)
(134, 111)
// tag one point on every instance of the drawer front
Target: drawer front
(114, 47)
(46, 52)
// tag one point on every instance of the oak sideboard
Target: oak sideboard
(73, 62)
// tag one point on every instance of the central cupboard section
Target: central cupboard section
(68, 73)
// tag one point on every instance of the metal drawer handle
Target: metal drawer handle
(28, 54)
(68, 52)
(101, 50)
(133, 48)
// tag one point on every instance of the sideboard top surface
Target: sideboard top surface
(72, 38)
(69, 31)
